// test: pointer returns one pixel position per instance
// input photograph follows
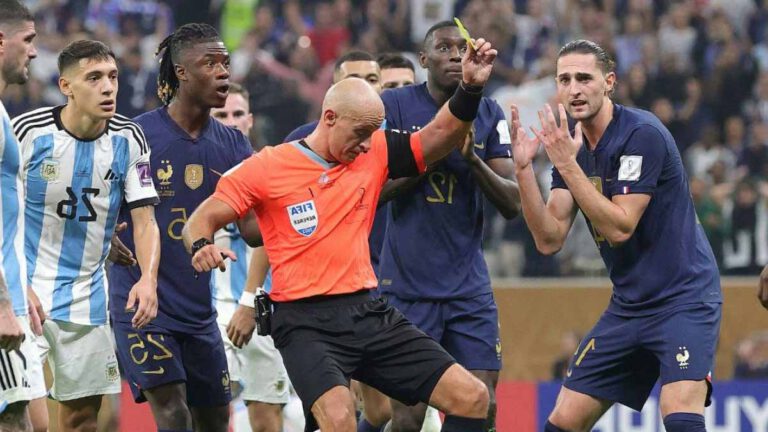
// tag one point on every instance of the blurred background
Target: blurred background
(700, 65)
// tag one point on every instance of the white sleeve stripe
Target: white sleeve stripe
(142, 143)
(136, 128)
(30, 115)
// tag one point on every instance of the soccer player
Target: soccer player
(18, 354)
(178, 362)
(435, 223)
(396, 71)
(254, 362)
(621, 168)
(315, 219)
(81, 161)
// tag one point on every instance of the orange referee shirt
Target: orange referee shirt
(315, 217)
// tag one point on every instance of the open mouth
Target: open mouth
(223, 90)
(578, 103)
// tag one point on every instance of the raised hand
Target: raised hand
(476, 65)
(560, 146)
(524, 148)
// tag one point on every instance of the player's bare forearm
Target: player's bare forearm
(494, 179)
(611, 220)
(548, 234)
(5, 295)
(257, 269)
(209, 217)
(146, 236)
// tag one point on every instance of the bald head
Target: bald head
(354, 98)
(352, 111)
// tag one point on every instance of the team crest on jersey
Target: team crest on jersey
(303, 217)
(49, 170)
(164, 174)
(193, 176)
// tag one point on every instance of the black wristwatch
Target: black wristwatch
(199, 244)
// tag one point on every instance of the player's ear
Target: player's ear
(64, 86)
(423, 59)
(181, 72)
(610, 82)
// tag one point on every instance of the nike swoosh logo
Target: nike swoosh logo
(568, 373)
(480, 145)
(158, 371)
(216, 172)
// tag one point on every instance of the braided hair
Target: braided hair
(170, 48)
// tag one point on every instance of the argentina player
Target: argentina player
(81, 162)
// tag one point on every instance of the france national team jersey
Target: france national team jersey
(668, 260)
(74, 190)
(12, 261)
(186, 171)
(228, 286)
(432, 247)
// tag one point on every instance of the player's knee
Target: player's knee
(469, 400)
(82, 420)
(172, 414)
(14, 418)
(377, 414)
(265, 417)
(339, 418)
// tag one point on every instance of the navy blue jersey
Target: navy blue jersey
(668, 260)
(376, 238)
(186, 172)
(432, 247)
(302, 131)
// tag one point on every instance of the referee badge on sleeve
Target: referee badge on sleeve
(303, 217)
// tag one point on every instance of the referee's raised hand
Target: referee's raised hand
(210, 257)
(477, 63)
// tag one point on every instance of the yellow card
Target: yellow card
(464, 33)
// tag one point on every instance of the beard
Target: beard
(15, 74)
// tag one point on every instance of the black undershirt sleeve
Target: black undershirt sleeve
(400, 158)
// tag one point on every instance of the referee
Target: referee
(315, 200)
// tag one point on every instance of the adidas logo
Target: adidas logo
(110, 175)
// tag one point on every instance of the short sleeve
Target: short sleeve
(499, 142)
(641, 162)
(139, 188)
(405, 157)
(240, 187)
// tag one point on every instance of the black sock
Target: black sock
(549, 427)
(684, 422)
(463, 424)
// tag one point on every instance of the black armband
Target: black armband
(465, 102)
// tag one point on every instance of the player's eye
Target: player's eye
(463, 49)
(443, 49)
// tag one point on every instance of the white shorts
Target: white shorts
(258, 367)
(21, 372)
(82, 359)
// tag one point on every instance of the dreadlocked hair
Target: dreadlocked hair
(170, 49)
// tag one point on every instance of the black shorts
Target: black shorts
(327, 340)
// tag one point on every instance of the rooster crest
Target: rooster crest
(682, 357)
(165, 174)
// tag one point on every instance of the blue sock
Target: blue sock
(549, 427)
(684, 422)
(463, 424)
(364, 426)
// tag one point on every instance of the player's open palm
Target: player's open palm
(560, 146)
(241, 326)
(143, 299)
(477, 63)
(524, 147)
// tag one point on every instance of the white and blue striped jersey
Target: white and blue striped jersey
(12, 264)
(228, 286)
(74, 191)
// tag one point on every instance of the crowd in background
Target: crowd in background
(700, 65)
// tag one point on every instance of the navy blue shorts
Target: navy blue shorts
(467, 328)
(622, 357)
(155, 356)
